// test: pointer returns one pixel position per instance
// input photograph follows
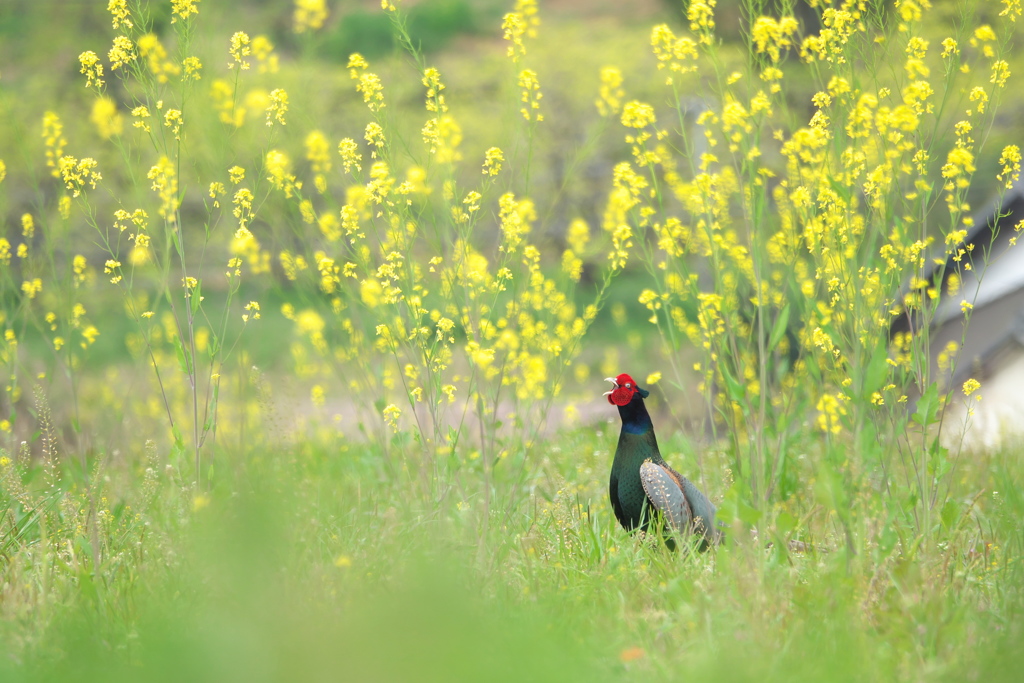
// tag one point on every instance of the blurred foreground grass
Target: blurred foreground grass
(312, 562)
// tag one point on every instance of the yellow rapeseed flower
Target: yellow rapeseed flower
(356, 64)
(174, 121)
(183, 9)
(157, 61)
(830, 411)
(638, 115)
(578, 235)
(1009, 164)
(515, 220)
(140, 114)
(1000, 73)
(442, 136)
(278, 168)
(239, 49)
(53, 139)
(120, 14)
(677, 54)
(527, 9)
(493, 159)
(531, 95)
(1011, 9)
(217, 189)
(121, 52)
(263, 51)
(32, 287)
(111, 267)
(572, 265)
(771, 35)
(435, 99)
(252, 311)
(309, 15)
(350, 156)
(278, 107)
(89, 335)
(958, 161)
(106, 118)
(911, 10)
(391, 414)
(372, 89)
(78, 265)
(514, 27)
(222, 96)
(609, 100)
(374, 135)
(78, 173)
(192, 69)
(92, 67)
(318, 152)
(701, 15)
(165, 184)
(242, 201)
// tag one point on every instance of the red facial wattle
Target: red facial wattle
(624, 390)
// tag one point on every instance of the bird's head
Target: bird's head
(625, 389)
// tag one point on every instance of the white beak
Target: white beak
(612, 380)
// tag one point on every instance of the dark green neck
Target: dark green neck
(635, 418)
(636, 440)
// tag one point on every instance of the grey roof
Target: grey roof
(985, 282)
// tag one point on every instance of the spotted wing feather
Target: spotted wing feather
(703, 511)
(666, 495)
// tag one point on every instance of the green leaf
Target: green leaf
(212, 419)
(887, 539)
(86, 585)
(939, 464)
(829, 490)
(785, 523)
(841, 189)
(178, 449)
(747, 513)
(950, 513)
(781, 324)
(733, 389)
(877, 371)
(927, 406)
(735, 507)
(196, 299)
(184, 359)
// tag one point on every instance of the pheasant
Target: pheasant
(642, 484)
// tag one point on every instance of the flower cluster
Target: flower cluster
(309, 15)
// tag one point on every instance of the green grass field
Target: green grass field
(302, 350)
(313, 562)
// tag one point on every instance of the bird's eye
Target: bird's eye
(627, 385)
